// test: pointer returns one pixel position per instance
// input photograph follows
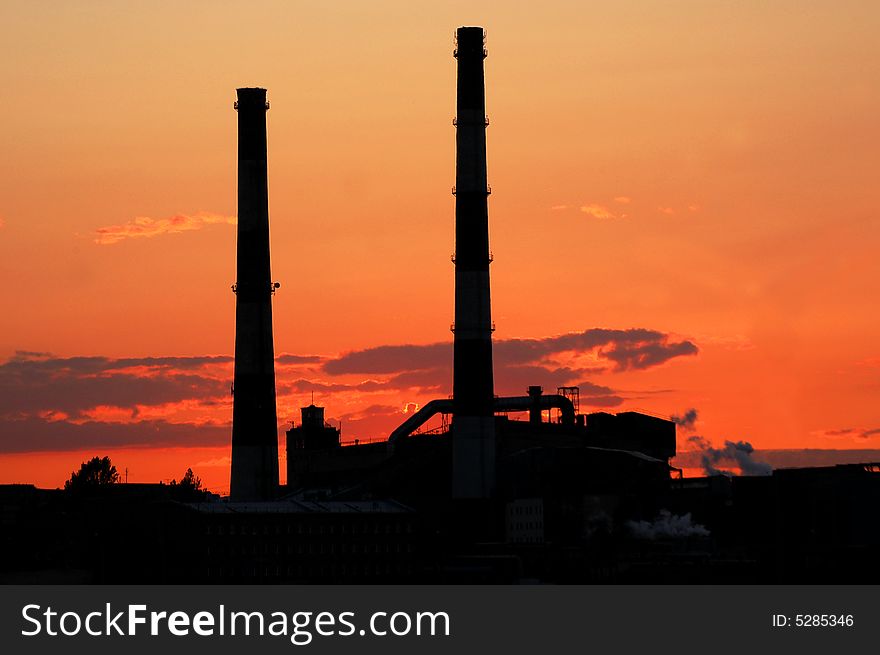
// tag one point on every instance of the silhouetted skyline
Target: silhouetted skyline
(570, 495)
(679, 221)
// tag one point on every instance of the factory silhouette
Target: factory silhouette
(561, 497)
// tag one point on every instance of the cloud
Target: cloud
(370, 411)
(848, 433)
(304, 385)
(623, 200)
(738, 453)
(288, 358)
(429, 381)
(143, 226)
(598, 211)
(793, 458)
(669, 211)
(125, 400)
(599, 400)
(558, 208)
(518, 363)
(370, 423)
(65, 403)
(390, 359)
(31, 384)
(37, 434)
(687, 419)
(646, 355)
(635, 348)
(436, 381)
(729, 342)
(217, 462)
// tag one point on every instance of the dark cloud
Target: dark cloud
(27, 361)
(438, 381)
(597, 395)
(635, 348)
(601, 401)
(371, 411)
(30, 353)
(608, 341)
(288, 358)
(850, 433)
(76, 385)
(509, 380)
(646, 355)
(513, 380)
(303, 385)
(426, 383)
(36, 387)
(592, 389)
(36, 434)
(391, 359)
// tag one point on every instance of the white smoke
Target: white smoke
(667, 526)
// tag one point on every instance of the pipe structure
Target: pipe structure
(502, 404)
(254, 474)
(473, 423)
(417, 420)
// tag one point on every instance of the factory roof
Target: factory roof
(301, 507)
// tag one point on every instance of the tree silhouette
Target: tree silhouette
(97, 472)
(189, 489)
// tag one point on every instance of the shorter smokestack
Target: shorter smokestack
(254, 474)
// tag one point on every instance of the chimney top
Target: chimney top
(251, 97)
(470, 41)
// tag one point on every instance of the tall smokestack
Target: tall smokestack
(254, 423)
(473, 423)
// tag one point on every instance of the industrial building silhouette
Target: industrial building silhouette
(559, 497)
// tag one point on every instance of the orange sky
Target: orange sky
(705, 171)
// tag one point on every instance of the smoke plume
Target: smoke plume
(667, 526)
(686, 420)
(738, 453)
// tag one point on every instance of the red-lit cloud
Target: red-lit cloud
(598, 211)
(66, 403)
(143, 226)
(634, 348)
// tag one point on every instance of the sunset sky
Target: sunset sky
(684, 216)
